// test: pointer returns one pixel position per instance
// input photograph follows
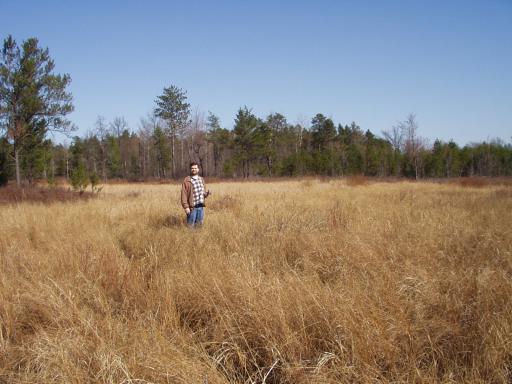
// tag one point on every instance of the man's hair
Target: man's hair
(193, 163)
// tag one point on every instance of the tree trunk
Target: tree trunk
(182, 165)
(172, 155)
(206, 161)
(17, 162)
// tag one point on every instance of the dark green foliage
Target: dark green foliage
(4, 162)
(324, 132)
(221, 141)
(95, 180)
(163, 154)
(172, 107)
(134, 169)
(79, 179)
(378, 156)
(228, 170)
(245, 139)
(114, 156)
(324, 163)
(258, 149)
(60, 156)
(35, 154)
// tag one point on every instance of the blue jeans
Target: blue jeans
(195, 217)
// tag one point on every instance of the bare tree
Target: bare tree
(300, 126)
(217, 139)
(147, 126)
(118, 126)
(101, 130)
(395, 136)
(413, 144)
(196, 138)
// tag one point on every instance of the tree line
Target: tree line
(257, 147)
(34, 101)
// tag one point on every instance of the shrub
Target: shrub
(357, 180)
(79, 179)
(95, 181)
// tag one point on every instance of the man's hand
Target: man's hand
(208, 193)
(187, 211)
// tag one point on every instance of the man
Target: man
(193, 195)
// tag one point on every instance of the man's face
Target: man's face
(194, 170)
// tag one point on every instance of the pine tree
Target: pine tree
(31, 96)
(244, 138)
(172, 107)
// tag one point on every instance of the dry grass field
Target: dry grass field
(303, 281)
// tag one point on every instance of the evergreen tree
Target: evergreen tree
(371, 155)
(268, 136)
(163, 155)
(60, 158)
(263, 147)
(244, 138)
(79, 177)
(32, 152)
(113, 156)
(221, 140)
(324, 132)
(172, 107)
(31, 96)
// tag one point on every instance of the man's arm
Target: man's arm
(206, 191)
(184, 197)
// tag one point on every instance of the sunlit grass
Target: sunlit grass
(287, 282)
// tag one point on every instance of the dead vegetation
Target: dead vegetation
(355, 181)
(40, 194)
(480, 182)
(288, 282)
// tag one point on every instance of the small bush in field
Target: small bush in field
(357, 180)
(79, 179)
(95, 181)
(306, 184)
(475, 182)
(52, 182)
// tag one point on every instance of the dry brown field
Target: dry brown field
(306, 281)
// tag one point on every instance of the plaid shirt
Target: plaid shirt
(197, 190)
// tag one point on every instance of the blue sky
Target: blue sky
(372, 62)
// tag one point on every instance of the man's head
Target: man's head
(194, 168)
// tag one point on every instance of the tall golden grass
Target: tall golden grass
(287, 282)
